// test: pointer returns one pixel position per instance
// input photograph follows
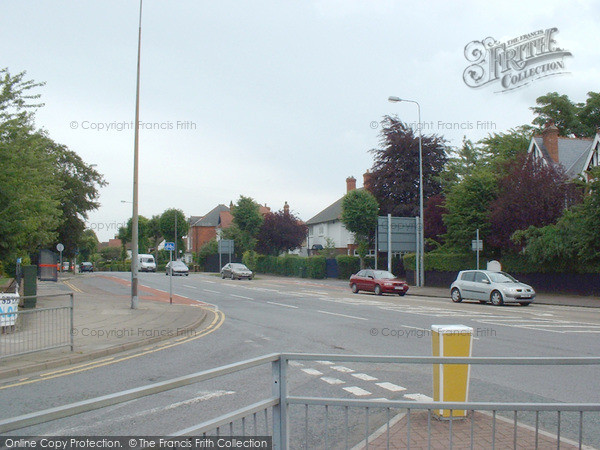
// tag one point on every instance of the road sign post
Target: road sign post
(477, 246)
(170, 246)
(60, 248)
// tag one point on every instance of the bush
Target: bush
(250, 259)
(292, 266)
(347, 266)
(446, 262)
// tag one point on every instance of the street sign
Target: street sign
(404, 234)
(226, 246)
(170, 246)
(60, 247)
(477, 245)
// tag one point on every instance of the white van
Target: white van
(146, 263)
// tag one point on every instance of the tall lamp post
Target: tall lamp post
(134, 219)
(421, 232)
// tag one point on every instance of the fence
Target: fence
(33, 330)
(271, 416)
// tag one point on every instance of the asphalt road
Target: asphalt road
(271, 314)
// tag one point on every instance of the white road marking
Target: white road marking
(312, 371)
(283, 304)
(342, 369)
(295, 364)
(332, 380)
(356, 391)
(191, 287)
(213, 292)
(325, 363)
(241, 296)
(341, 315)
(418, 397)
(391, 386)
(364, 377)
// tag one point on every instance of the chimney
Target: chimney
(350, 184)
(286, 209)
(367, 177)
(550, 138)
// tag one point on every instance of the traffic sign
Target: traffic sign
(60, 247)
(477, 245)
(170, 246)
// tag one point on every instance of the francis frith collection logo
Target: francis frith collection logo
(516, 62)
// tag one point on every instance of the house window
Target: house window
(321, 230)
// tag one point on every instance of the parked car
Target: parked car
(236, 270)
(86, 267)
(65, 266)
(178, 267)
(487, 286)
(378, 281)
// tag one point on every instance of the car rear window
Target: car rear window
(468, 276)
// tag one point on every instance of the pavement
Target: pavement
(104, 324)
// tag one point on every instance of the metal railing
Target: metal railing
(38, 329)
(357, 424)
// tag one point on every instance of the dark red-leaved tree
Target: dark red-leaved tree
(532, 193)
(435, 208)
(395, 173)
(281, 231)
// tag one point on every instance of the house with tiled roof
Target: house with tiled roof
(575, 155)
(205, 228)
(327, 224)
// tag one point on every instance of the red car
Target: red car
(378, 281)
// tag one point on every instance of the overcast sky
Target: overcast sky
(274, 100)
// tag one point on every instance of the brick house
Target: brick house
(576, 155)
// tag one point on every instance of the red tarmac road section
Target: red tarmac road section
(155, 294)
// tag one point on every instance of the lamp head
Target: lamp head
(394, 99)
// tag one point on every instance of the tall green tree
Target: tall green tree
(126, 233)
(280, 232)
(571, 119)
(395, 172)
(173, 222)
(359, 215)
(247, 221)
(88, 244)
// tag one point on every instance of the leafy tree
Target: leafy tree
(247, 221)
(435, 229)
(571, 119)
(503, 147)
(531, 194)
(462, 162)
(395, 179)
(154, 234)
(359, 215)
(110, 253)
(280, 232)
(126, 233)
(88, 244)
(468, 204)
(167, 226)
(208, 249)
(574, 240)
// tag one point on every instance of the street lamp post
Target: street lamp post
(421, 232)
(134, 219)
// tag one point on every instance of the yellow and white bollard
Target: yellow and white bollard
(451, 381)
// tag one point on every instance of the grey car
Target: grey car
(487, 286)
(236, 270)
(179, 268)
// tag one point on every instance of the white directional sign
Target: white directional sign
(477, 245)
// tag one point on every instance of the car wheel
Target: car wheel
(496, 298)
(250, 277)
(354, 288)
(455, 295)
(525, 303)
(401, 294)
(223, 276)
(377, 290)
(232, 276)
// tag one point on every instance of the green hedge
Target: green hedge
(347, 266)
(511, 262)
(291, 266)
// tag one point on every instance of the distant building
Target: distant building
(327, 225)
(575, 155)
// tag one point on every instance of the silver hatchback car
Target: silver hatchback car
(487, 286)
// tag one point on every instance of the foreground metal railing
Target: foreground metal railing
(357, 423)
(25, 331)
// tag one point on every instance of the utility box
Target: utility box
(29, 286)
(451, 381)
